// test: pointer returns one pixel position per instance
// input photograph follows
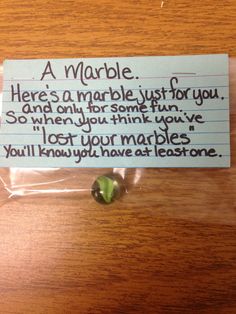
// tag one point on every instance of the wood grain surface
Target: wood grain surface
(168, 246)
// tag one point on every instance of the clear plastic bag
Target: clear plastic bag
(187, 193)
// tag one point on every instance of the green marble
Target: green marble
(107, 188)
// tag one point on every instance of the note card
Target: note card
(116, 112)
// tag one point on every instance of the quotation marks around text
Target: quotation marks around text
(36, 128)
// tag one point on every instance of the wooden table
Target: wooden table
(169, 245)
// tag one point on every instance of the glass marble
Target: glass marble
(107, 188)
